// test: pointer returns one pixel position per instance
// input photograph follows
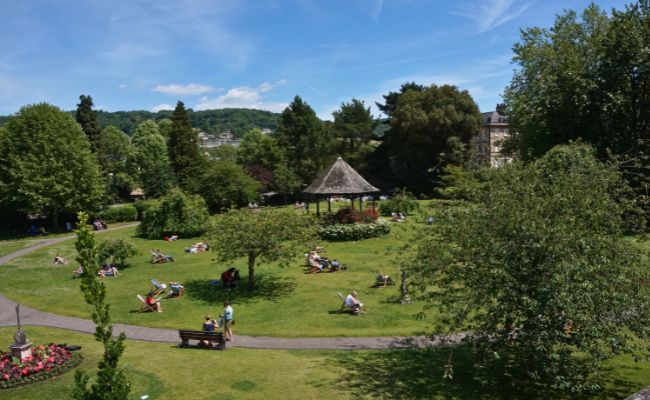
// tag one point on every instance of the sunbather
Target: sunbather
(176, 289)
(77, 272)
(353, 304)
(108, 270)
(153, 302)
(60, 260)
(230, 277)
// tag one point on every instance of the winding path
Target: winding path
(30, 316)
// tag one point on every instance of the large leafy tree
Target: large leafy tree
(46, 166)
(585, 78)
(427, 128)
(265, 235)
(307, 144)
(184, 154)
(539, 270)
(353, 127)
(111, 382)
(257, 148)
(118, 152)
(175, 213)
(149, 161)
(225, 184)
(392, 98)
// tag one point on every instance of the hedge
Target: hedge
(345, 232)
(122, 213)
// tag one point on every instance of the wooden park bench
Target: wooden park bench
(217, 339)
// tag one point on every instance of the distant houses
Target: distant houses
(212, 140)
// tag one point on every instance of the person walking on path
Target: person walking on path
(227, 321)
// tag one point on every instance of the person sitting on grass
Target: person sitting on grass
(60, 260)
(383, 280)
(108, 270)
(353, 304)
(153, 302)
(176, 289)
(230, 277)
(77, 272)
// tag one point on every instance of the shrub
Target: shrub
(115, 251)
(403, 202)
(175, 213)
(122, 213)
(345, 232)
(141, 206)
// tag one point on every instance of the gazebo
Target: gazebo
(339, 179)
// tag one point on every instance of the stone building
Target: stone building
(489, 142)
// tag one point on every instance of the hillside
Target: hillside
(236, 120)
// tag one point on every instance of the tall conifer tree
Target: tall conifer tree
(183, 148)
(87, 118)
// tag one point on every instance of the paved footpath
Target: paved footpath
(30, 316)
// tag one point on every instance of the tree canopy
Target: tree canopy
(46, 166)
(266, 235)
(353, 127)
(225, 184)
(183, 148)
(149, 161)
(307, 144)
(539, 270)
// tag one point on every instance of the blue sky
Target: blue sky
(146, 55)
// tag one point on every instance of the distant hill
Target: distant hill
(236, 120)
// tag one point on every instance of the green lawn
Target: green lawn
(165, 372)
(288, 303)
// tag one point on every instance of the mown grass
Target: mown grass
(286, 303)
(164, 372)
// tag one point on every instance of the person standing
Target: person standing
(227, 320)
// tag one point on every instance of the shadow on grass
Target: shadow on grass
(418, 374)
(267, 287)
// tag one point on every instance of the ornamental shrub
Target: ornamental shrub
(122, 213)
(175, 213)
(345, 232)
(403, 202)
(115, 252)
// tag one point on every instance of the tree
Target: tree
(308, 146)
(46, 166)
(257, 148)
(111, 382)
(184, 154)
(87, 118)
(538, 269)
(426, 128)
(353, 126)
(118, 152)
(285, 180)
(225, 184)
(265, 234)
(583, 79)
(176, 213)
(391, 99)
(149, 160)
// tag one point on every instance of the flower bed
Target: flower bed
(344, 232)
(44, 363)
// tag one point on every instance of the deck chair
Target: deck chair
(344, 307)
(145, 307)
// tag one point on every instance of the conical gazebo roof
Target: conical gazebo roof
(340, 178)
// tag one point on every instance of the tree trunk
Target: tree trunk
(55, 219)
(251, 271)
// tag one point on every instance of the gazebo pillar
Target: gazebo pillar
(329, 204)
(318, 207)
(360, 203)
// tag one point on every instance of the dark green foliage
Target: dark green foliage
(257, 148)
(400, 202)
(183, 148)
(586, 78)
(110, 382)
(539, 269)
(175, 213)
(265, 234)
(118, 152)
(458, 183)
(308, 146)
(115, 252)
(121, 213)
(87, 118)
(353, 127)
(149, 161)
(225, 184)
(46, 166)
(391, 99)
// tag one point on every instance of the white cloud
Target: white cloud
(281, 82)
(192, 89)
(492, 13)
(161, 107)
(122, 86)
(241, 97)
